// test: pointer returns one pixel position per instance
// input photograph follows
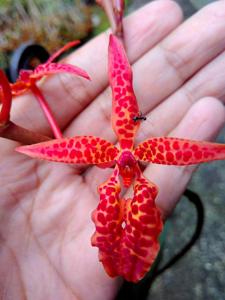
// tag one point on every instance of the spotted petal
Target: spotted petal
(53, 68)
(140, 246)
(124, 106)
(76, 150)
(108, 219)
(127, 230)
(175, 151)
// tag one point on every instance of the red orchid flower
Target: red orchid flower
(28, 78)
(127, 230)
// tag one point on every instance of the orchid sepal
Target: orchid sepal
(176, 151)
(124, 105)
(62, 50)
(54, 68)
(76, 150)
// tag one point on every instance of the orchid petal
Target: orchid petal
(24, 75)
(62, 50)
(127, 230)
(175, 151)
(125, 107)
(108, 219)
(18, 88)
(53, 68)
(22, 83)
(76, 150)
(140, 245)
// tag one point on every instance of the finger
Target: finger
(202, 122)
(184, 52)
(209, 81)
(69, 95)
(178, 57)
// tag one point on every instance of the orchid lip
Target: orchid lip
(127, 166)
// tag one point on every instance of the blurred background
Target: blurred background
(200, 274)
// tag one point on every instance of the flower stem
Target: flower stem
(19, 134)
(114, 10)
(45, 107)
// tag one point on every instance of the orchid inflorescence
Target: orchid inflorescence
(27, 81)
(127, 230)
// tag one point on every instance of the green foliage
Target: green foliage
(50, 23)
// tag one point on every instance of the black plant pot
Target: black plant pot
(27, 56)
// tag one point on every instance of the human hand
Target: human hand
(45, 224)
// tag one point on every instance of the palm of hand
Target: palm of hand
(45, 208)
(46, 231)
